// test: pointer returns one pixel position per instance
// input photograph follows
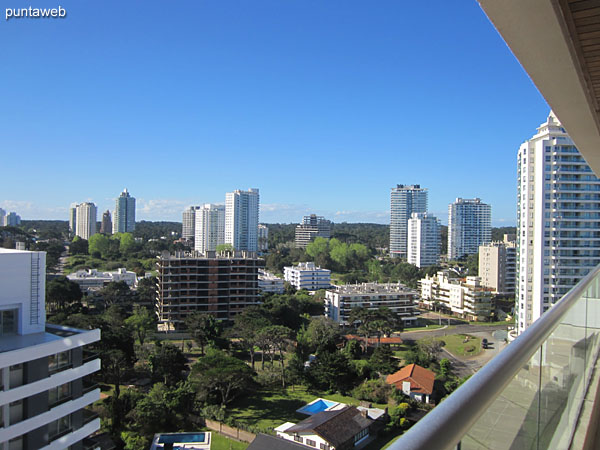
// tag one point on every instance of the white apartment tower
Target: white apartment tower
(85, 220)
(469, 226)
(209, 228)
(2, 215)
(241, 219)
(124, 216)
(188, 229)
(558, 220)
(43, 371)
(423, 240)
(405, 200)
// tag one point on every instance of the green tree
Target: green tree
(318, 249)
(167, 363)
(78, 246)
(382, 360)
(99, 245)
(246, 327)
(116, 293)
(61, 292)
(126, 243)
(220, 374)
(204, 328)
(323, 334)
(221, 248)
(331, 371)
(141, 322)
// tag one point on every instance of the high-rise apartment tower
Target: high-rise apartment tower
(405, 200)
(558, 220)
(423, 240)
(124, 216)
(469, 226)
(241, 219)
(210, 227)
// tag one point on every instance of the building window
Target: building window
(311, 443)
(59, 361)
(59, 427)
(298, 439)
(8, 322)
(59, 394)
(325, 447)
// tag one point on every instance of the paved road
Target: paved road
(456, 329)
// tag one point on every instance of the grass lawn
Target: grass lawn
(267, 409)
(220, 442)
(455, 344)
(491, 324)
(427, 327)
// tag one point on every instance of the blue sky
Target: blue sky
(323, 105)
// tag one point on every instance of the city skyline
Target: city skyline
(253, 88)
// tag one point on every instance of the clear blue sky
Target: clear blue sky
(323, 105)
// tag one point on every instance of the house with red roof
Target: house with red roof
(415, 381)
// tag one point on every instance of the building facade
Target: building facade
(209, 228)
(188, 227)
(43, 368)
(124, 216)
(405, 200)
(498, 266)
(469, 226)
(72, 220)
(307, 276)
(241, 219)
(219, 284)
(11, 219)
(2, 216)
(558, 220)
(106, 224)
(267, 282)
(423, 240)
(340, 300)
(85, 220)
(465, 298)
(92, 279)
(312, 226)
(263, 237)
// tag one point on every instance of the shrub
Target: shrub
(376, 391)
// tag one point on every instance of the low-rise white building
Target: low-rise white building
(401, 300)
(267, 282)
(92, 279)
(465, 298)
(43, 390)
(307, 276)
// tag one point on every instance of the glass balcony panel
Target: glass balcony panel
(511, 421)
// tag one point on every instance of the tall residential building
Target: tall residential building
(469, 226)
(12, 219)
(558, 220)
(263, 237)
(219, 284)
(124, 216)
(405, 200)
(85, 220)
(423, 240)
(241, 219)
(73, 220)
(209, 228)
(188, 227)
(43, 371)
(312, 226)
(2, 216)
(106, 224)
(498, 266)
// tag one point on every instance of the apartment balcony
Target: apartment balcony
(538, 393)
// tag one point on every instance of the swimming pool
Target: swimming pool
(182, 438)
(316, 406)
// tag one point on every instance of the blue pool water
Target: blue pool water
(316, 407)
(182, 438)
